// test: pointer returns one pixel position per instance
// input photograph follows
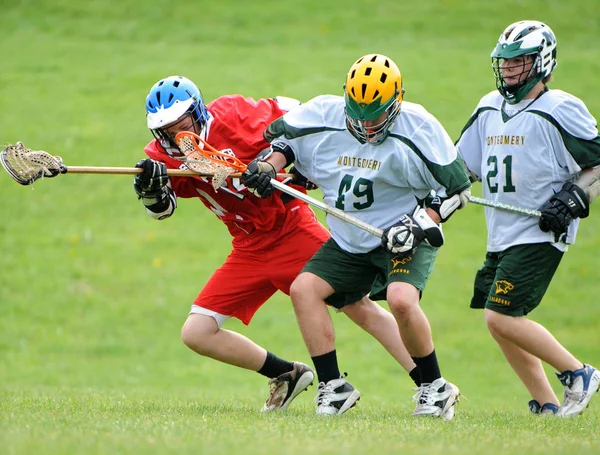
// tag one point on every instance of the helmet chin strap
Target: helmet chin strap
(504, 113)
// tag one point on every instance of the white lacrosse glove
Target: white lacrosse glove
(446, 206)
(410, 231)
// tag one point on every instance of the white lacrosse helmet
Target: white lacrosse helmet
(524, 38)
(168, 101)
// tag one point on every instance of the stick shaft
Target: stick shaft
(137, 170)
(327, 208)
(505, 207)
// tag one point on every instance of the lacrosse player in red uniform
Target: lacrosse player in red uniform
(279, 233)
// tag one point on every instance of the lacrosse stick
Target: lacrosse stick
(26, 166)
(505, 207)
(223, 164)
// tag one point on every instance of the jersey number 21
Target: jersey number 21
(492, 182)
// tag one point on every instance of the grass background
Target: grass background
(93, 292)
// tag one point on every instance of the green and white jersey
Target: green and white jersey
(524, 159)
(375, 183)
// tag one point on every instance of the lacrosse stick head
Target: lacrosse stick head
(203, 158)
(26, 166)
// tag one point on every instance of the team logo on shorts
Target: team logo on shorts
(503, 287)
(398, 260)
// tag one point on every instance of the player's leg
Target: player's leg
(203, 335)
(382, 326)
(335, 395)
(522, 277)
(302, 237)
(402, 281)
(241, 298)
(308, 293)
(531, 337)
(330, 269)
(299, 239)
(536, 341)
(528, 367)
(531, 372)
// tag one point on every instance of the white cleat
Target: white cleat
(336, 397)
(437, 399)
(580, 387)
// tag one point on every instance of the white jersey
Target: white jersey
(524, 159)
(374, 183)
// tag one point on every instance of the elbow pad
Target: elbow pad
(285, 150)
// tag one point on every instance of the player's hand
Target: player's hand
(257, 178)
(558, 212)
(151, 180)
(300, 180)
(410, 231)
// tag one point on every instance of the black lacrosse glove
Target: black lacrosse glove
(410, 231)
(300, 180)
(257, 178)
(558, 212)
(151, 181)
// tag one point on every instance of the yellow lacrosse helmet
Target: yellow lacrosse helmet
(373, 87)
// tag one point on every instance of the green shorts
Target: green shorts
(513, 281)
(354, 275)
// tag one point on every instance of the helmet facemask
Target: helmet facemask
(533, 41)
(373, 96)
(194, 120)
(357, 116)
(527, 78)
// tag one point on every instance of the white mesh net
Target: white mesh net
(199, 162)
(26, 166)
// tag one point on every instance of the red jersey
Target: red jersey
(236, 123)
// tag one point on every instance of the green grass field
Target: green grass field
(93, 292)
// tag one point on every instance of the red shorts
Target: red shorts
(249, 277)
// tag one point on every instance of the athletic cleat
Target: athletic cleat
(336, 397)
(547, 409)
(437, 399)
(580, 386)
(286, 386)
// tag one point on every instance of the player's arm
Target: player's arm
(153, 187)
(444, 171)
(589, 182)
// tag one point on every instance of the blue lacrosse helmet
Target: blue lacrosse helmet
(171, 100)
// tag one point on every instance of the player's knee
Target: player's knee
(302, 287)
(198, 332)
(402, 300)
(495, 323)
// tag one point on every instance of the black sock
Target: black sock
(428, 368)
(327, 366)
(274, 366)
(415, 376)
